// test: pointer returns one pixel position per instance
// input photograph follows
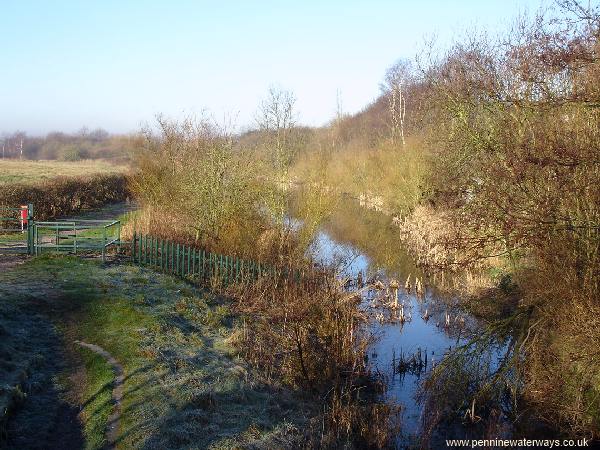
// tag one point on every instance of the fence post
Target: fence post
(172, 256)
(182, 266)
(181, 260)
(103, 244)
(194, 252)
(168, 259)
(155, 251)
(30, 226)
(165, 256)
(189, 260)
(162, 253)
(133, 246)
(119, 237)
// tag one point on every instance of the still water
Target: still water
(362, 241)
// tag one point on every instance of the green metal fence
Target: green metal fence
(190, 262)
(15, 229)
(76, 236)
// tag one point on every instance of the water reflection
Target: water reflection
(414, 331)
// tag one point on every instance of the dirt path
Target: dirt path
(112, 430)
(7, 262)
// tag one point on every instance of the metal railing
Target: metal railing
(76, 236)
(190, 262)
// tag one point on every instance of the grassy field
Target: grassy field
(185, 385)
(15, 171)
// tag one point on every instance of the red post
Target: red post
(24, 215)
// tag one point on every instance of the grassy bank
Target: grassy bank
(392, 176)
(184, 382)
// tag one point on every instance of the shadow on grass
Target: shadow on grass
(229, 417)
(39, 409)
(36, 413)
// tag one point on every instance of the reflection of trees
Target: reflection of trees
(478, 382)
(373, 234)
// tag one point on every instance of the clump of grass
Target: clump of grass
(97, 405)
(310, 335)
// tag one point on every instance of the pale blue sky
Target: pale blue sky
(116, 63)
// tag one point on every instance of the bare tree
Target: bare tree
(396, 80)
(276, 117)
(339, 106)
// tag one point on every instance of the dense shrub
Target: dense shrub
(514, 128)
(64, 196)
(193, 184)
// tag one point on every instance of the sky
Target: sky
(116, 64)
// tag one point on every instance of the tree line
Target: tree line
(56, 145)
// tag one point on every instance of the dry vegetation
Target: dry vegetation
(488, 155)
(498, 172)
(33, 172)
(234, 199)
(311, 335)
(517, 170)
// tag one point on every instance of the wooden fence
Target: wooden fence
(189, 262)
